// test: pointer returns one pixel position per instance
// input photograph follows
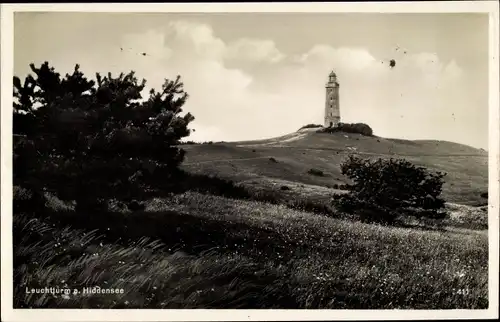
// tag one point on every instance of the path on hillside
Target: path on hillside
(225, 160)
(388, 154)
(367, 153)
(340, 150)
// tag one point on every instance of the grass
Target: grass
(467, 167)
(233, 238)
(245, 254)
(149, 277)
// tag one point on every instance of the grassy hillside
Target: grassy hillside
(200, 251)
(194, 250)
(294, 154)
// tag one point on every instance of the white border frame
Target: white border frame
(7, 19)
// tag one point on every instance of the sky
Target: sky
(261, 75)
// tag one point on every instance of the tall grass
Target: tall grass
(149, 277)
(244, 254)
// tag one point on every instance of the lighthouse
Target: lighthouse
(332, 108)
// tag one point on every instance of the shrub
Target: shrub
(359, 128)
(382, 189)
(284, 188)
(273, 160)
(316, 172)
(484, 195)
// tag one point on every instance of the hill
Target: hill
(197, 250)
(286, 160)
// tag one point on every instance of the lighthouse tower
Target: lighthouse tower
(332, 108)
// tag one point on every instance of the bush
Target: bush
(284, 188)
(273, 160)
(484, 195)
(316, 172)
(359, 128)
(382, 189)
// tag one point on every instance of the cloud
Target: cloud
(415, 99)
(412, 100)
(151, 42)
(343, 58)
(452, 71)
(192, 40)
(406, 100)
(256, 50)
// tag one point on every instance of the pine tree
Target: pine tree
(89, 140)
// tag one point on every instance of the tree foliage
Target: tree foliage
(385, 188)
(87, 140)
(360, 128)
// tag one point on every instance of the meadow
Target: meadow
(201, 251)
(272, 247)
